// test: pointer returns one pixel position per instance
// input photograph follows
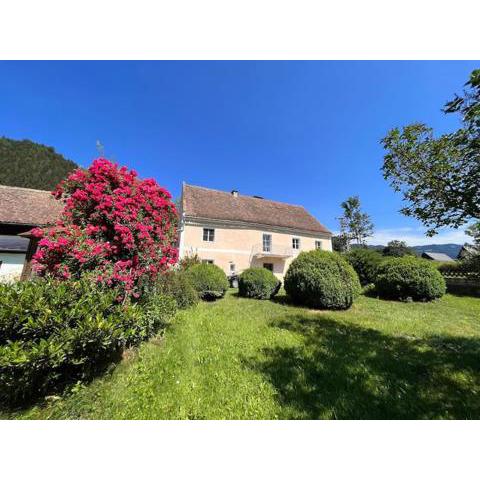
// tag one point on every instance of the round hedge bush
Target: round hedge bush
(209, 281)
(409, 278)
(365, 262)
(177, 284)
(321, 279)
(258, 283)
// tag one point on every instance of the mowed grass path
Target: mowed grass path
(248, 359)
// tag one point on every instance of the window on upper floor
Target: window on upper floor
(208, 234)
(296, 243)
(318, 244)
(267, 242)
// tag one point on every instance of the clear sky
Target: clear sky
(299, 132)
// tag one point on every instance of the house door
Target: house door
(268, 266)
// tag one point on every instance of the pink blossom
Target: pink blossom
(113, 223)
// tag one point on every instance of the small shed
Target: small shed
(438, 257)
(22, 209)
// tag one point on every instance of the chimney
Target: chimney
(235, 193)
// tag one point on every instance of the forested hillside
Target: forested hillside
(27, 164)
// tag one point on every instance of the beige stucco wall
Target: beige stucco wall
(237, 246)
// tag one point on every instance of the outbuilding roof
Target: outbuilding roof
(13, 244)
(439, 257)
(206, 203)
(25, 206)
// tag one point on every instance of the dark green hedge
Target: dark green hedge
(209, 281)
(365, 262)
(178, 285)
(258, 283)
(409, 278)
(321, 279)
(54, 333)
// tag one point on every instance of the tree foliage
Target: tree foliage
(439, 177)
(339, 243)
(354, 224)
(474, 231)
(27, 164)
(397, 248)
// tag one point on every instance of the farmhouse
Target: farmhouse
(233, 231)
(22, 209)
(237, 231)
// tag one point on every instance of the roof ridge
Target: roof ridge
(25, 188)
(246, 196)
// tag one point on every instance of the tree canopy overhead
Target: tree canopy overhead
(24, 163)
(439, 177)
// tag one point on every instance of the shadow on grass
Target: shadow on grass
(282, 299)
(65, 380)
(345, 371)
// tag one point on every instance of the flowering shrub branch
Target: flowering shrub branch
(120, 228)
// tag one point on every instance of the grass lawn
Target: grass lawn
(250, 359)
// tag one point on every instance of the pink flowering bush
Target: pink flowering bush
(120, 228)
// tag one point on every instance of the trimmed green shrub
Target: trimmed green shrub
(178, 285)
(365, 262)
(53, 333)
(258, 283)
(472, 264)
(469, 266)
(409, 278)
(449, 267)
(209, 281)
(321, 279)
(156, 313)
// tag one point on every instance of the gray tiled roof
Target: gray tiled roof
(440, 257)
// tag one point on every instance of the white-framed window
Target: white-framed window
(296, 243)
(207, 261)
(267, 242)
(208, 234)
(318, 244)
(232, 268)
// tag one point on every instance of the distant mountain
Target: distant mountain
(450, 249)
(32, 165)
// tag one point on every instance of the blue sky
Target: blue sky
(300, 132)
